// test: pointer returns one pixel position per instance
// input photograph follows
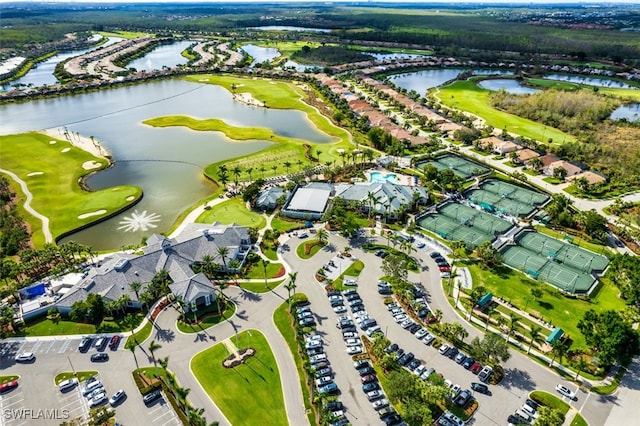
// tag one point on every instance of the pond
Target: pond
(509, 85)
(630, 112)
(166, 163)
(288, 28)
(42, 73)
(260, 54)
(422, 81)
(166, 55)
(591, 81)
(300, 67)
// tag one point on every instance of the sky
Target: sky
(517, 2)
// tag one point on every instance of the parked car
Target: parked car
(113, 343)
(333, 406)
(339, 309)
(486, 372)
(531, 403)
(391, 348)
(565, 391)
(25, 357)
(453, 351)
(368, 378)
(406, 359)
(371, 386)
(6, 387)
(318, 357)
(468, 362)
(425, 375)
(462, 398)
(419, 370)
(328, 389)
(354, 350)
(460, 358)
(101, 343)
(68, 384)
(306, 322)
(480, 387)
(415, 363)
(361, 363)
(151, 396)
(85, 344)
(117, 397)
(325, 380)
(428, 339)
(476, 367)
(530, 411)
(444, 348)
(366, 370)
(421, 333)
(380, 404)
(98, 399)
(435, 254)
(100, 357)
(375, 395)
(90, 387)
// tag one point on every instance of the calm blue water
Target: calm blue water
(289, 28)
(631, 112)
(422, 81)
(591, 81)
(167, 55)
(42, 73)
(260, 54)
(509, 85)
(300, 67)
(377, 177)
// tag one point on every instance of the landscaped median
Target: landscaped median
(309, 248)
(249, 392)
(206, 319)
(80, 375)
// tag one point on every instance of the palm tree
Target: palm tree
(490, 310)
(221, 286)
(237, 171)
(293, 276)
(323, 236)
(560, 349)
(222, 253)
(265, 263)
(274, 168)
(262, 169)
(388, 206)
(164, 362)
(299, 163)
(373, 201)
(132, 348)
(289, 286)
(534, 334)
(287, 166)
(581, 365)
(206, 265)
(182, 395)
(514, 319)
(135, 286)
(249, 172)
(343, 154)
(223, 177)
(153, 347)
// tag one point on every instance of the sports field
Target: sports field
(496, 196)
(462, 167)
(557, 262)
(455, 222)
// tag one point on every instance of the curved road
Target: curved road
(27, 205)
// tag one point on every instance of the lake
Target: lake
(509, 85)
(166, 55)
(260, 54)
(166, 163)
(631, 112)
(591, 81)
(422, 81)
(42, 73)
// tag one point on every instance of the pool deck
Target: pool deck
(401, 179)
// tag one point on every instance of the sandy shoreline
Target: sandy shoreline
(83, 142)
(246, 98)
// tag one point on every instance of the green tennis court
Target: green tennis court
(504, 198)
(460, 166)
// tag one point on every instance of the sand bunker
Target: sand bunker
(89, 165)
(96, 213)
(53, 142)
(130, 198)
(248, 99)
(66, 150)
(35, 173)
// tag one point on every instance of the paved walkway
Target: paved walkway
(27, 205)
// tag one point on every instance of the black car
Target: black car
(413, 364)
(414, 328)
(399, 352)
(333, 406)
(379, 253)
(392, 420)
(468, 362)
(352, 296)
(482, 388)
(531, 403)
(423, 312)
(349, 329)
(366, 370)
(442, 263)
(452, 352)
(333, 293)
(406, 359)
(151, 396)
(371, 386)
(391, 348)
(435, 254)
(100, 357)
(85, 344)
(516, 420)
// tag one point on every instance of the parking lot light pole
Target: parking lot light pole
(72, 369)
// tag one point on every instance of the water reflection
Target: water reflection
(509, 85)
(630, 112)
(166, 55)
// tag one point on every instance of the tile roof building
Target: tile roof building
(390, 197)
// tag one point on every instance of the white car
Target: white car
(375, 395)
(380, 404)
(67, 384)
(97, 400)
(354, 350)
(565, 391)
(399, 318)
(428, 339)
(340, 309)
(419, 370)
(117, 397)
(421, 333)
(25, 357)
(352, 342)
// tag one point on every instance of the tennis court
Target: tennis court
(460, 166)
(556, 262)
(456, 222)
(504, 198)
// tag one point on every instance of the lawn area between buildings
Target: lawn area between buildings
(208, 321)
(285, 225)
(258, 286)
(233, 211)
(47, 327)
(139, 336)
(561, 311)
(467, 96)
(284, 321)
(274, 270)
(250, 393)
(52, 172)
(80, 375)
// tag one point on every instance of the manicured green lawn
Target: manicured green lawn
(562, 311)
(208, 321)
(284, 225)
(353, 270)
(249, 393)
(5, 379)
(258, 287)
(282, 320)
(545, 398)
(553, 180)
(80, 375)
(47, 327)
(315, 247)
(468, 96)
(274, 270)
(140, 336)
(232, 211)
(52, 177)
(578, 420)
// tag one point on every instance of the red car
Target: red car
(113, 343)
(445, 269)
(8, 386)
(476, 367)
(368, 378)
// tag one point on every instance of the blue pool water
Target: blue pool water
(377, 177)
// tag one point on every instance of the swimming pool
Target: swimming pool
(377, 177)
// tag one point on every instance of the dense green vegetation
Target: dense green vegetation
(329, 55)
